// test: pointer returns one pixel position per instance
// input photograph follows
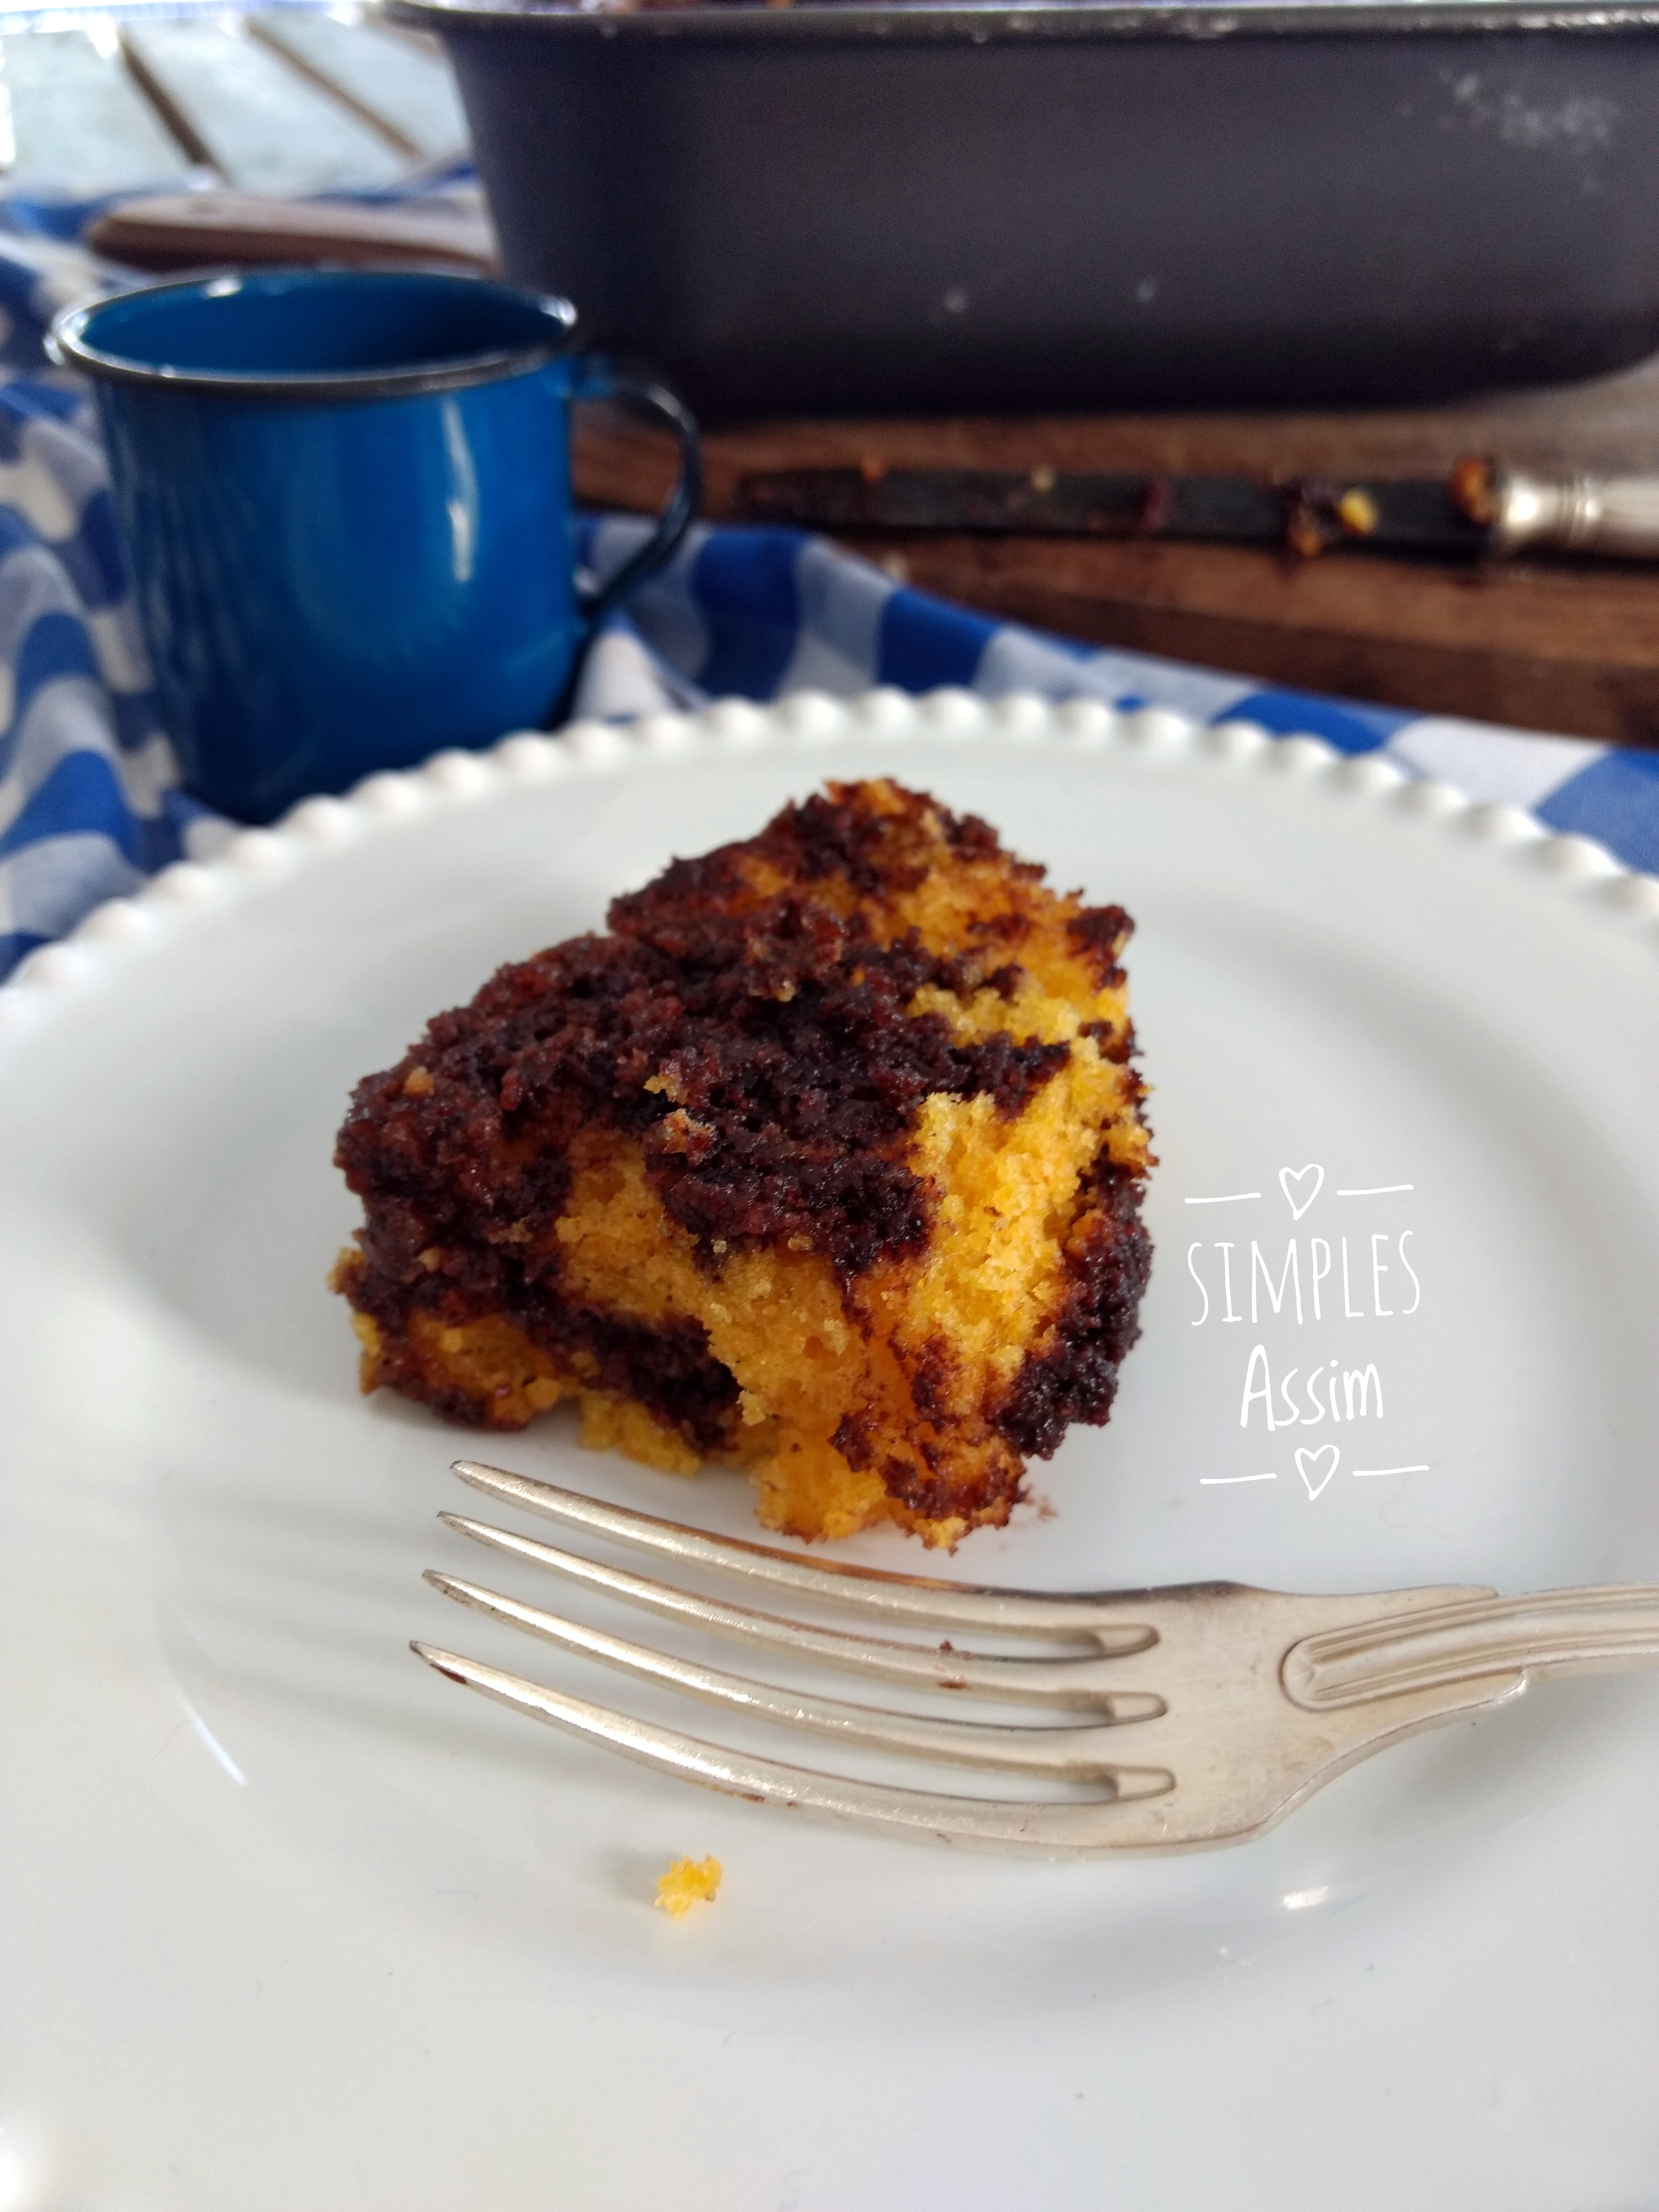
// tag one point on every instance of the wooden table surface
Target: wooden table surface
(1547, 645)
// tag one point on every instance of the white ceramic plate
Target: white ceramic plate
(291, 1922)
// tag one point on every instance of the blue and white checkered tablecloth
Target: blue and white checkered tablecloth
(89, 796)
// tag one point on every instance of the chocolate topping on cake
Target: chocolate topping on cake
(1071, 1374)
(758, 1044)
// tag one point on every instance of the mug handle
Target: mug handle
(598, 378)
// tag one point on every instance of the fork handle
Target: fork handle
(1613, 1630)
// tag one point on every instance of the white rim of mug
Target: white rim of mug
(67, 347)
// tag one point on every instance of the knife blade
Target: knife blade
(1478, 510)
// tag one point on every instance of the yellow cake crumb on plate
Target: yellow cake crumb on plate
(687, 1882)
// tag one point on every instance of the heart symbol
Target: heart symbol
(1307, 1462)
(1287, 1177)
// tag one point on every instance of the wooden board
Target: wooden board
(1545, 645)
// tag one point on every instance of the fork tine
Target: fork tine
(1084, 1753)
(1050, 1830)
(1073, 1682)
(1108, 1621)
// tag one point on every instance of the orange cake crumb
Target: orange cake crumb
(687, 1882)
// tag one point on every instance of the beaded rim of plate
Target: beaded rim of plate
(101, 944)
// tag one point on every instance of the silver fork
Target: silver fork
(1207, 1711)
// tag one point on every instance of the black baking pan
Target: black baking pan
(852, 208)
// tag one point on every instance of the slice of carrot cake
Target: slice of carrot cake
(825, 1161)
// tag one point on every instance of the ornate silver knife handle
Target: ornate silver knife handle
(1617, 516)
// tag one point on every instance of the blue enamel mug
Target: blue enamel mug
(346, 499)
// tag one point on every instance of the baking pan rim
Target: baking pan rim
(1009, 22)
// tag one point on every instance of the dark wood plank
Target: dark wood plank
(192, 230)
(1548, 649)
(1544, 645)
